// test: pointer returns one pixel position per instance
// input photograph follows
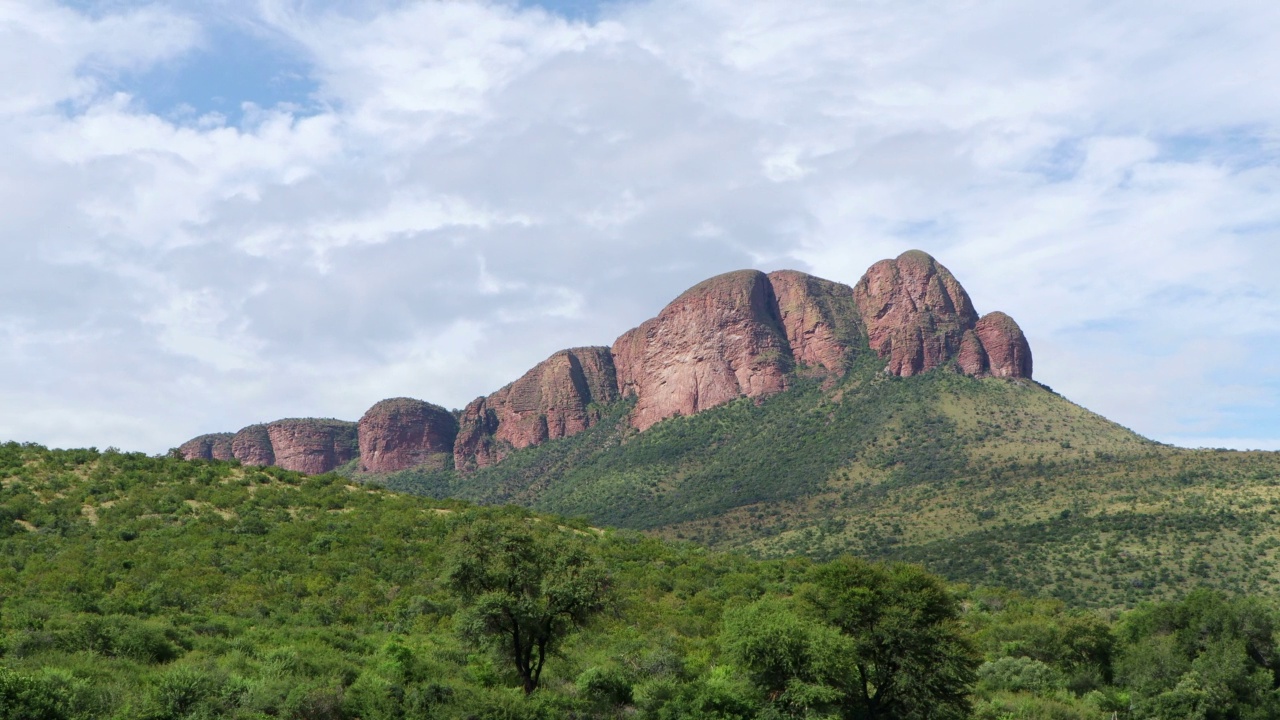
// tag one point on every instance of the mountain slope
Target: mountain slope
(982, 480)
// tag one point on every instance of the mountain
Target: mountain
(782, 413)
(741, 334)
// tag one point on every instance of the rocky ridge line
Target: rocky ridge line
(740, 334)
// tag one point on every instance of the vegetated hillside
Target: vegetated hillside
(981, 480)
(137, 587)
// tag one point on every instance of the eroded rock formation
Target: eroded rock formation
(1008, 352)
(309, 445)
(734, 335)
(252, 446)
(401, 433)
(819, 318)
(915, 312)
(214, 446)
(313, 445)
(918, 318)
(557, 398)
(718, 341)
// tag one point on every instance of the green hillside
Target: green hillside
(160, 589)
(982, 481)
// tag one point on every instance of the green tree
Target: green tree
(525, 585)
(910, 657)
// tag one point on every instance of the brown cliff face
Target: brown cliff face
(401, 433)
(718, 341)
(820, 319)
(252, 446)
(553, 400)
(735, 335)
(915, 312)
(1008, 352)
(972, 358)
(215, 446)
(312, 445)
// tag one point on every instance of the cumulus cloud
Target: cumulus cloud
(475, 185)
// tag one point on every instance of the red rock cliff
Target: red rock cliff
(918, 317)
(312, 445)
(1008, 352)
(215, 446)
(252, 446)
(915, 312)
(819, 318)
(555, 399)
(718, 341)
(308, 445)
(401, 433)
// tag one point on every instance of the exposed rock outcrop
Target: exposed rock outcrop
(313, 445)
(308, 445)
(972, 358)
(820, 319)
(401, 433)
(915, 312)
(214, 446)
(734, 335)
(1008, 352)
(718, 341)
(918, 317)
(252, 446)
(557, 398)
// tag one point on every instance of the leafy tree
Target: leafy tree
(800, 664)
(910, 657)
(525, 585)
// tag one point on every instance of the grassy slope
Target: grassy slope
(984, 481)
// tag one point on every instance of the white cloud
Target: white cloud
(478, 185)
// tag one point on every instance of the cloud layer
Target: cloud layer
(473, 186)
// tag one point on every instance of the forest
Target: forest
(152, 587)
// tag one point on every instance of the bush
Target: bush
(1018, 674)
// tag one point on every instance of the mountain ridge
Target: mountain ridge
(738, 334)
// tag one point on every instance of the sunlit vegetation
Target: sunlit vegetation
(982, 481)
(139, 587)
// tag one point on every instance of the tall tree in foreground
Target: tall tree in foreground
(525, 585)
(861, 642)
(910, 655)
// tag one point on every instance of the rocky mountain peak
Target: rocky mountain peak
(740, 334)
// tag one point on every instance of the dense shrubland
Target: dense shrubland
(138, 587)
(982, 481)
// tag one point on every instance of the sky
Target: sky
(224, 212)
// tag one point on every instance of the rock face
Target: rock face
(557, 398)
(215, 446)
(918, 317)
(820, 320)
(718, 341)
(308, 445)
(741, 334)
(401, 433)
(1008, 352)
(252, 446)
(915, 312)
(312, 445)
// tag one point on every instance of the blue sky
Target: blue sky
(231, 211)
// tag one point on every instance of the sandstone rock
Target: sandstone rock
(401, 433)
(915, 312)
(312, 445)
(718, 341)
(820, 319)
(557, 398)
(972, 358)
(252, 446)
(1006, 347)
(215, 446)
